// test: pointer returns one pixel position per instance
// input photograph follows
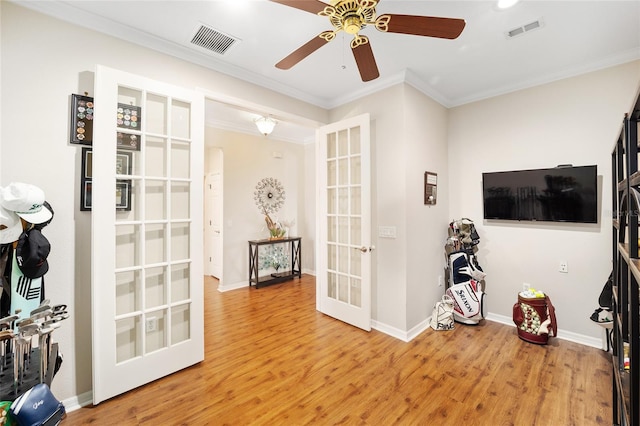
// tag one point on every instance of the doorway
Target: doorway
(213, 219)
(236, 157)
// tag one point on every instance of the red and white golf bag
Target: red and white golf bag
(535, 319)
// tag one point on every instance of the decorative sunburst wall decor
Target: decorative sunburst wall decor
(269, 195)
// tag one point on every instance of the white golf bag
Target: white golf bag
(465, 288)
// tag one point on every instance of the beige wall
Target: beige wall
(426, 132)
(573, 121)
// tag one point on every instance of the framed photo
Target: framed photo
(87, 161)
(85, 196)
(124, 166)
(123, 195)
(81, 120)
(430, 188)
(124, 163)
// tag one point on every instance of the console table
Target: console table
(294, 270)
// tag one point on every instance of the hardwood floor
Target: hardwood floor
(272, 359)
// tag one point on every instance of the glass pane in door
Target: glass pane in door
(344, 232)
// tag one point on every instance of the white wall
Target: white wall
(247, 160)
(43, 61)
(573, 121)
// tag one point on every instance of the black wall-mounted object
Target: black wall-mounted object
(559, 194)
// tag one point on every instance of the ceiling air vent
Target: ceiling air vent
(525, 28)
(213, 40)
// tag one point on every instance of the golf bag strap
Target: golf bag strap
(552, 315)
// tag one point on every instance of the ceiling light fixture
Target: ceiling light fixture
(265, 125)
(505, 4)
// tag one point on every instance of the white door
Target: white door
(344, 221)
(213, 224)
(147, 277)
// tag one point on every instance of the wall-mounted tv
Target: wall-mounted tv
(559, 194)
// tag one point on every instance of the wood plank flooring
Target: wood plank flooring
(272, 359)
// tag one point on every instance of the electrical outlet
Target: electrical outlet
(439, 280)
(526, 286)
(152, 324)
(564, 267)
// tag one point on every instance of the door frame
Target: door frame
(247, 105)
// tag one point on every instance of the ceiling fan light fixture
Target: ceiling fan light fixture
(265, 125)
(505, 4)
(352, 25)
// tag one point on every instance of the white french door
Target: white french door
(344, 221)
(147, 273)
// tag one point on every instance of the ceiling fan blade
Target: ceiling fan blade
(302, 52)
(364, 58)
(311, 6)
(428, 26)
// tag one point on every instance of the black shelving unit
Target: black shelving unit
(626, 266)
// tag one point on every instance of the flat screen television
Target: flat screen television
(559, 194)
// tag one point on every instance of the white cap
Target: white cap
(11, 226)
(26, 201)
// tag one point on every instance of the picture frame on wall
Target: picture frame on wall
(123, 195)
(81, 120)
(124, 166)
(430, 188)
(85, 196)
(86, 175)
(124, 163)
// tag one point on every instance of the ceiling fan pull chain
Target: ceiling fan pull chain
(344, 65)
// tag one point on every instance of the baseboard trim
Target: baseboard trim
(562, 334)
(77, 402)
(234, 286)
(407, 336)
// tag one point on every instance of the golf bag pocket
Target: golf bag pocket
(37, 407)
(467, 298)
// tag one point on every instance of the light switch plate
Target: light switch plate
(387, 231)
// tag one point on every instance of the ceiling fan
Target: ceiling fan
(351, 16)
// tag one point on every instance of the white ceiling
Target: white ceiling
(575, 37)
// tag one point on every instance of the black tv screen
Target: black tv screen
(560, 194)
